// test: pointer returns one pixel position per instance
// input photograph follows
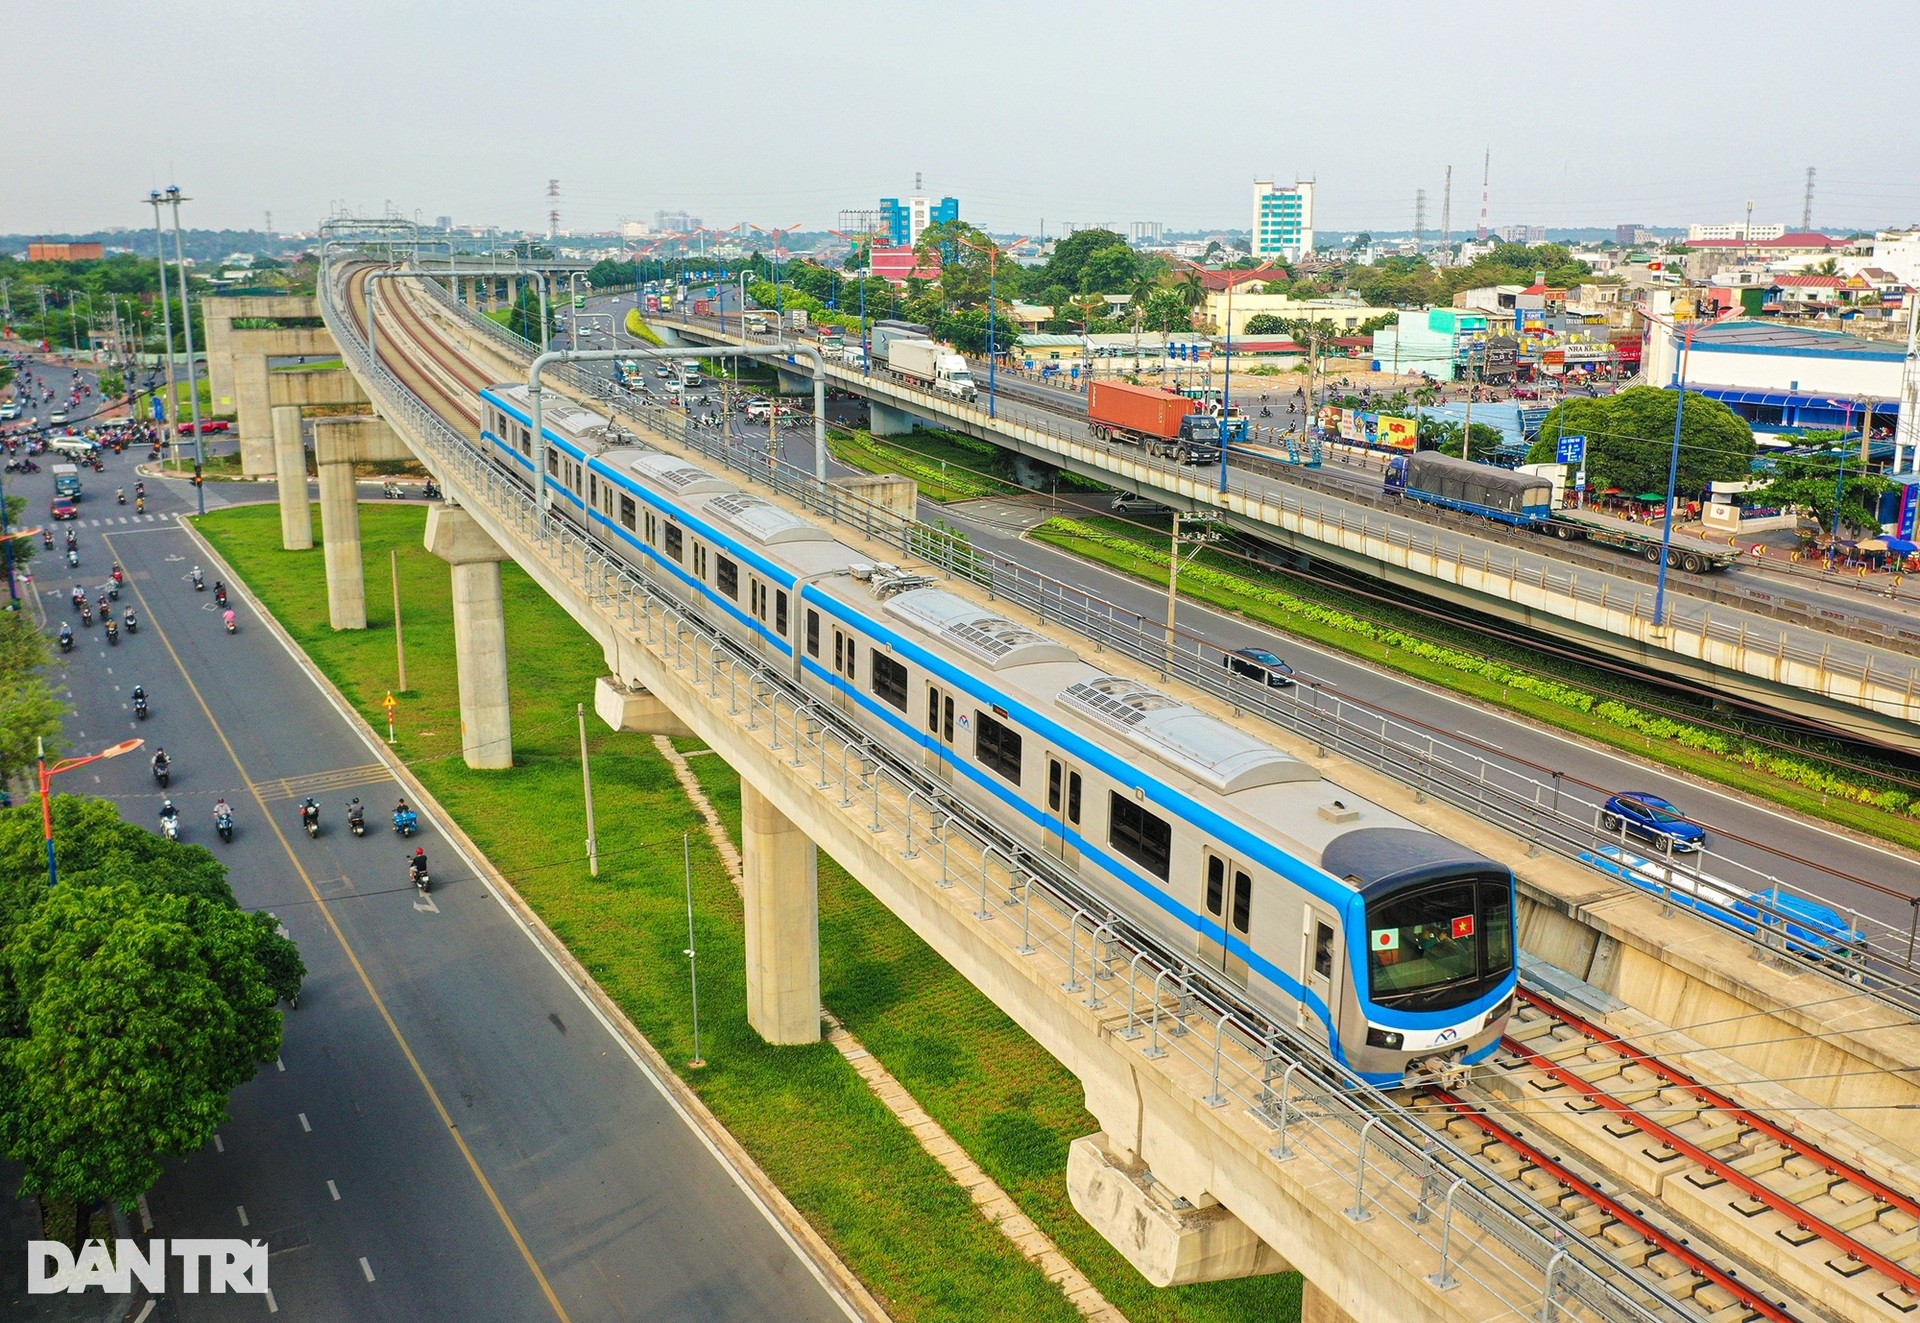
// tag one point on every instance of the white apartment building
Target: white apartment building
(1738, 230)
(1283, 219)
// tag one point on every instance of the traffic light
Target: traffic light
(197, 479)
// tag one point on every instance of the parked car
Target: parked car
(1651, 818)
(57, 417)
(63, 508)
(1258, 665)
(208, 427)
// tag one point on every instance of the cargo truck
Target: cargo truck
(884, 332)
(1525, 500)
(1163, 423)
(931, 365)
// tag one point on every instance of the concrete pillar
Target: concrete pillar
(251, 408)
(340, 532)
(479, 634)
(781, 884)
(631, 707)
(290, 465)
(792, 383)
(892, 492)
(1316, 1306)
(513, 290)
(884, 421)
(216, 324)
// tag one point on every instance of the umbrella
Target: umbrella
(1901, 546)
(1871, 544)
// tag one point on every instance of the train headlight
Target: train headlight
(1500, 1012)
(1387, 1038)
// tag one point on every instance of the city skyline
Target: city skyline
(798, 134)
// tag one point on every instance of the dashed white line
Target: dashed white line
(218, 1147)
(273, 1306)
(146, 1214)
(242, 1210)
(279, 1064)
(305, 1124)
(366, 1267)
(333, 1190)
(146, 1311)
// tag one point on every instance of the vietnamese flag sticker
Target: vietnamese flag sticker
(1386, 939)
(1463, 926)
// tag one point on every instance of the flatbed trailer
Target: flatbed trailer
(1692, 554)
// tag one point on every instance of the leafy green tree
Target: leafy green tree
(1109, 270)
(1070, 257)
(1267, 323)
(1444, 436)
(1811, 482)
(1165, 310)
(1630, 440)
(30, 710)
(133, 999)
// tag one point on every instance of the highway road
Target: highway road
(450, 1131)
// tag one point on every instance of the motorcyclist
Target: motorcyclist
(222, 812)
(199, 580)
(417, 864)
(219, 592)
(168, 813)
(139, 489)
(119, 576)
(132, 623)
(139, 694)
(356, 814)
(228, 618)
(309, 811)
(66, 636)
(161, 762)
(120, 495)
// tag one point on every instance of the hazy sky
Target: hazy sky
(1062, 110)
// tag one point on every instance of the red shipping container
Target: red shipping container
(1147, 410)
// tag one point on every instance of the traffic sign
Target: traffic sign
(1573, 449)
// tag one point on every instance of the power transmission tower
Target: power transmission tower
(1486, 179)
(1419, 216)
(1446, 211)
(553, 208)
(1806, 206)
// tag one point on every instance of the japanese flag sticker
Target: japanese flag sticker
(1386, 939)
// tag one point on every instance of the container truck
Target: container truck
(885, 332)
(1525, 500)
(1163, 423)
(930, 364)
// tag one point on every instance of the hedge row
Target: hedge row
(1654, 726)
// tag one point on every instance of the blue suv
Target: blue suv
(1651, 818)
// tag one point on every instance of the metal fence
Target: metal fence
(1479, 1232)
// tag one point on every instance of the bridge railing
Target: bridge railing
(1750, 901)
(1478, 1230)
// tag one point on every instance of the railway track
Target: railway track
(1663, 1160)
(1635, 1156)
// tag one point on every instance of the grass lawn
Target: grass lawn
(808, 1119)
(947, 467)
(1240, 594)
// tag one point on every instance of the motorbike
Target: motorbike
(220, 594)
(163, 774)
(171, 826)
(406, 822)
(357, 822)
(431, 491)
(113, 590)
(120, 495)
(113, 633)
(199, 582)
(223, 823)
(86, 614)
(233, 624)
(140, 707)
(139, 505)
(133, 625)
(66, 640)
(73, 557)
(46, 538)
(417, 873)
(392, 490)
(310, 819)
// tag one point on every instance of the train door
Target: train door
(939, 749)
(1066, 789)
(1319, 968)
(845, 666)
(1227, 896)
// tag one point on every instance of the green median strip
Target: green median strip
(1799, 782)
(803, 1113)
(946, 468)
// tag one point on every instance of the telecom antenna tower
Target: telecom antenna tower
(553, 208)
(1419, 217)
(1806, 206)
(1486, 178)
(1446, 211)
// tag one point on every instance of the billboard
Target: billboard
(1397, 433)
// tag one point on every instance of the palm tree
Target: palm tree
(1192, 287)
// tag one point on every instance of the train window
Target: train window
(839, 652)
(727, 576)
(996, 747)
(628, 511)
(848, 669)
(1242, 900)
(1073, 798)
(780, 612)
(1323, 949)
(813, 633)
(1053, 784)
(757, 593)
(553, 462)
(653, 529)
(933, 710)
(889, 679)
(673, 540)
(1143, 837)
(1216, 883)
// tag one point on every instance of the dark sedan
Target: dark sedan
(1258, 665)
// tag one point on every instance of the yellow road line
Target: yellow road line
(366, 981)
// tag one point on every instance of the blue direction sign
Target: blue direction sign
(1573, 450)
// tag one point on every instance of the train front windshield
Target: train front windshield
(1443, 945)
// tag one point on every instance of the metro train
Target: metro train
(1390, 945)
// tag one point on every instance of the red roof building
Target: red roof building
(1218, 282)
(1809, 282)
(898, 265)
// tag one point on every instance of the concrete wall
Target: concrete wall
(219, 313)
(306, 387)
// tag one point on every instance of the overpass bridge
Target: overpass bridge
(1850, 684)
(1224, 1151)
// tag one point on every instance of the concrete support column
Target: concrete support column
(1316, 1306)
(290, 466)
(251, 412)
(340, 532)
(479, 634)
(513, 290)
(781, 884)
(884, 421)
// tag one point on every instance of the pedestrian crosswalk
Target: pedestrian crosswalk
(111, 520)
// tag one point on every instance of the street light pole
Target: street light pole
(1673, 475)
(172, 413)
(46, 790)
(174, 198)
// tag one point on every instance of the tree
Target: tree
(1811, 482)
(1630, 440)
(1070, 257)
(1165, 310)
(1109, 270)
(30, 710)
(1444, 436)
(1267, 323)
(134, 998)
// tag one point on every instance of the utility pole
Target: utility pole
(1419, 218)
(1207, 534)
(1906, 437)
(1466, 429)
(1446, 212)
(1486, 181)
(193, 381)
(399, 639)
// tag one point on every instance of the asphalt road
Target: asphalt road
(450, 1132)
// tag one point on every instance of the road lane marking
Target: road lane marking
(146, 1311)
(280, 1062)
(218, 1147)
(366, 1267)
(333, 1190)
(146, 1214)
(273, 1306)
(366, 979)
(305, 1124)
(242, 1210)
